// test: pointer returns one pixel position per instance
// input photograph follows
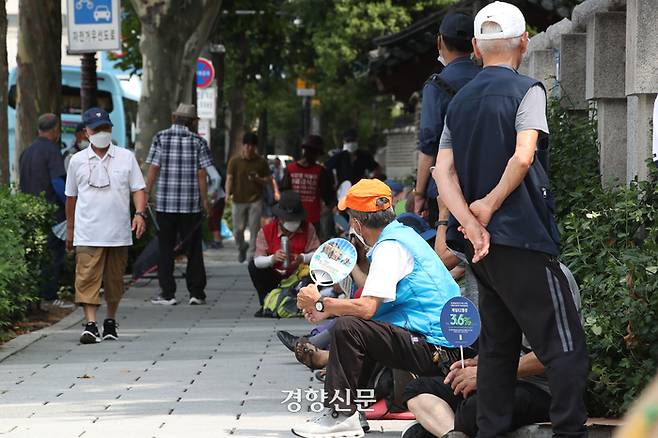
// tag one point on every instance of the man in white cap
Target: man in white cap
(491, 182)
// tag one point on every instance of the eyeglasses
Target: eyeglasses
(99, 176)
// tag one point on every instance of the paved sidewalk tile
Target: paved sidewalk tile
(179, 371)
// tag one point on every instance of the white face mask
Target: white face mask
(360, 238)
(83, 144)
(350, 147)
(292, 226)
(101, 139)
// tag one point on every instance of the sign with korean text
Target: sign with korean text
(205, 73)
(460, 322)
(93, 25)
(206, 102)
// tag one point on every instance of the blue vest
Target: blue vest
(481, 119)
(456, 74)
(420, 296)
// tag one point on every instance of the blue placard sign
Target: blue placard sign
(460, 322)
(92, 11)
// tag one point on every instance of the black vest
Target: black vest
(481, 119)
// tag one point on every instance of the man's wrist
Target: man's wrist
(140, 214)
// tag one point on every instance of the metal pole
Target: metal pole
(88, 81)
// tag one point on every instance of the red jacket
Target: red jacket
(296, 243)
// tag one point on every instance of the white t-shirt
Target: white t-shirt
(102, 215)
(391, 262)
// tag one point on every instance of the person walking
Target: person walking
(246, 175)
(179, 158)
(79, 143)
(498, 190)
(454, 46)
(99, 185)
(42, 171)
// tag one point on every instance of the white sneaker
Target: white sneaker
(330, 424)
(164, 301)
(63, 304)
(194, 301)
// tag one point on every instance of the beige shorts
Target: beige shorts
(99, 265)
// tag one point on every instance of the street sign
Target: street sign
(304, 89)
(204, 129)
(93, 25)
(205, 73)
(206, 102)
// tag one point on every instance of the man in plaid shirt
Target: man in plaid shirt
(180, 156)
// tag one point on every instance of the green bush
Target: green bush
(25, 221)
(610, 241)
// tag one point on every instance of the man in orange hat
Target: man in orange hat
(395, 322)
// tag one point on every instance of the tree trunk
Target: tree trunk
(4, 141)
(39, 79)
(173, 33)
(237, 107)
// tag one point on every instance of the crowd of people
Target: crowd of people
(477, 223)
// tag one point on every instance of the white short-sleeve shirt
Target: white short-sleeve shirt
(391, 262)
(102, 215)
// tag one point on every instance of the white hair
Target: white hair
(502, 45)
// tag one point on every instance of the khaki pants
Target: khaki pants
(247, 214)
(99, 265)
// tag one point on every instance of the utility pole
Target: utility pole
(88, 81)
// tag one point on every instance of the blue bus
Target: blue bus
(114, 95)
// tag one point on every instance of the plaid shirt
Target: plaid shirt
(179, 153)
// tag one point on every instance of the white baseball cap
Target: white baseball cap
(507, 16)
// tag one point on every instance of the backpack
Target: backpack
(389, 385)
(282, 301)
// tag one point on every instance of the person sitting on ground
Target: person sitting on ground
(395, 322)
(443, 405)
(267, 269)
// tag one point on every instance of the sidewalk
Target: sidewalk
(195, 371)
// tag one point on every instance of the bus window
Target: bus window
(71, 103)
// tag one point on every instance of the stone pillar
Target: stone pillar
(606, 46)
(640, 114)
(572, 70)
(541, 66)
(641, 81)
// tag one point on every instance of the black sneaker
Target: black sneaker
(416, 430)
(242, 256)
(287, 339)
(90, 334)
(110, 330)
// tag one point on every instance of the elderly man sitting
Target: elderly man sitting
(395, 322)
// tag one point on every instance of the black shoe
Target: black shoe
(416, 430)
(242, 256)
(287, 339)
(259, 313)
(110, 330)
(90, 334)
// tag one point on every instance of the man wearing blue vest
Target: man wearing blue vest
(491, 182)
(455, 48)
(395, 322)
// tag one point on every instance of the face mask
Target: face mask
(101, 139)
(350, 147)
(359, 237)
(83, 144)
(291, 226)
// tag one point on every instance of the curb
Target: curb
(21, 342)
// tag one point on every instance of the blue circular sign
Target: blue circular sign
(205, 73)
(460, 322)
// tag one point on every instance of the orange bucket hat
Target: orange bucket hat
(368, 195)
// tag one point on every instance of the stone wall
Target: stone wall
(605, 58)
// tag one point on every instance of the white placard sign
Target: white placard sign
(93, 25)
(206, 101)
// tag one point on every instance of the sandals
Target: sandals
(305, 353)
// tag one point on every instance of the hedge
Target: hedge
(610, 241)
(24, 224)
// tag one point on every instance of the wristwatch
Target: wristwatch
(319, 305)
(141, 213)
(439, 223)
